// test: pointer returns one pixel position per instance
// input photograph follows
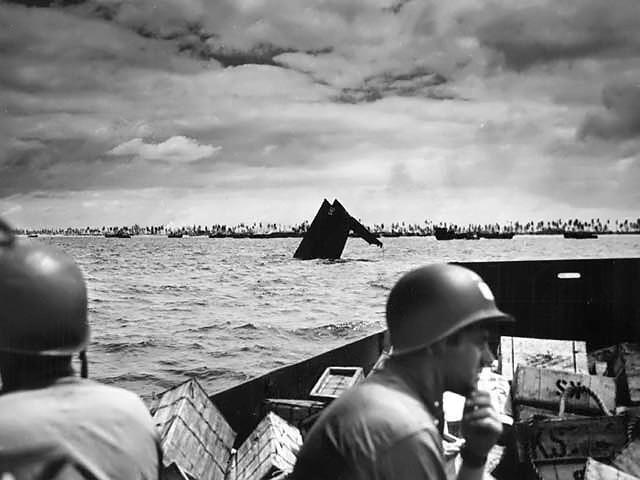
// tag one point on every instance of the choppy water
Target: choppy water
(226, 310)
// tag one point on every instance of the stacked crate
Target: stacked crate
(194, 435)
(543, 370)
(270, 450)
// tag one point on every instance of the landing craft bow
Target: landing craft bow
(327, 234)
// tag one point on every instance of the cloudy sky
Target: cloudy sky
(228, 111)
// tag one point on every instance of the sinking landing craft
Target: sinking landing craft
(327, 234)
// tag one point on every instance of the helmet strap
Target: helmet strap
(84, 368)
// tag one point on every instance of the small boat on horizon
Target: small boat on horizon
(579, 234)
(444, 233)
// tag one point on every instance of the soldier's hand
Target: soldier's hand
(481, 426)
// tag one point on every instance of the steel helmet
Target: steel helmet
(43, 299)
(432, 302)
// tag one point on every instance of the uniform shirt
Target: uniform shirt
(381, 429)
(77, 428)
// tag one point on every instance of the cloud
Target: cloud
(621, 117)
(174, 149)
(530, 33)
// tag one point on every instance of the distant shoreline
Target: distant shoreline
(299, 235)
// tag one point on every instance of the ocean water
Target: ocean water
(226, 310)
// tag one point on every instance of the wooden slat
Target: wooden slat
(568, 355)
(542, 387)
(599, 471)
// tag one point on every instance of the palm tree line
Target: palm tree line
(264, 229)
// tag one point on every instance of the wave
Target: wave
(332, 330)
(113, 347)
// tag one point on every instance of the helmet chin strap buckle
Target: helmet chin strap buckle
(7, 236)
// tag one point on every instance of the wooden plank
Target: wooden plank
(599, 471)
(568, 355)
(541, 387)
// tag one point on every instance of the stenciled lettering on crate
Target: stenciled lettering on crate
(542, 387)
(560, 447)
(193, 433)
(567, 355)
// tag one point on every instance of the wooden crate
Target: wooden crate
(541, 387)
(193, 433)
(292, 410)
(628, 460)
(626, 368)
(568, 355)
(334, 381)
(599, 471)
(269, 450)
(561, 446)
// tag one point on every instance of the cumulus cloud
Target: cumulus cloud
(174, 149)
(621, 116)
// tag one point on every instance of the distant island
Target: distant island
(396, 229)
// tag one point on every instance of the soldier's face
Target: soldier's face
(465, 358)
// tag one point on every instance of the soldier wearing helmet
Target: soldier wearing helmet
(54, 425)
(390, 426)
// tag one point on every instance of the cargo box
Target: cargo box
(292, 410)
(270, 450)
(566, 355)
(560, 447)
(543, 388)
(193, 433)
(334, 381)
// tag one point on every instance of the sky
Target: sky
(115, 112)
